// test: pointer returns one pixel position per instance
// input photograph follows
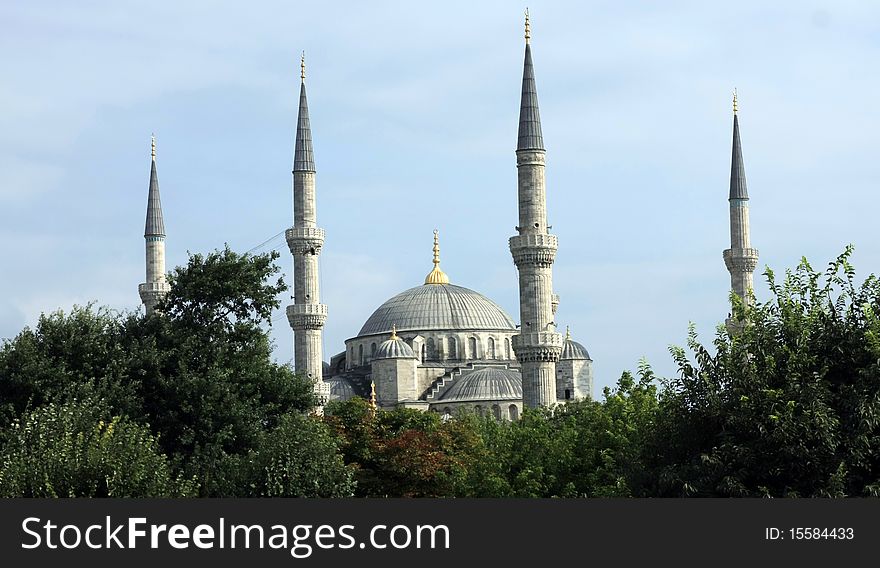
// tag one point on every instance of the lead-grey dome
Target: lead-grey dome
(394, 349)
(486, 384)
(436, 307)
(340, 389)
(573, 350)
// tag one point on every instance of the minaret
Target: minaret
(740, 258)
(537, 346)
(156, 287)
(307, 314)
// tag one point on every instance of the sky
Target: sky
(414, 110)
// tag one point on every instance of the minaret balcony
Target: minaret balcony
(304, 240)
(538, 346)
(534, 248)
(161, 287)
(307, 316)
(741, 259)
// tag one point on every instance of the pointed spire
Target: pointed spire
(738, 189)
(155, 225)
(436, 276)
(530, 137)
(303, 157)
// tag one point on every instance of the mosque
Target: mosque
(439, 346)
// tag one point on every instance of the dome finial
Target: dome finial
(528, 31)
(373, 395)
(394, 331)
(735, 105)
(302, 67)
(436, 276)
(153, 146)
(567, 333)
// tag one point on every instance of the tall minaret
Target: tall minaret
(537, 346)
(740, 258)
(156, 287)
(307, 314)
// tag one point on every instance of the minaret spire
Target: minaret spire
(538, 345)
(155, 288)
(740, 259)
(305, 239)
(530, 137)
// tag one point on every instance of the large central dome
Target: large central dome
(437, 306)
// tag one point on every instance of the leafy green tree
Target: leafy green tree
(77, 450)
(788, 404)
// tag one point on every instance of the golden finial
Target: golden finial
(735, 106)
(528, 32)
(567, 333)
(153, 146)
(302, 67)
(394, 331)
(436, 276)
(373, 395)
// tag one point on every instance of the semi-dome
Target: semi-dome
(394, 348)
(490, 383)
(438, 307)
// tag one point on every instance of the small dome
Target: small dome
(490, 383)
(394, 348)
(340, 389)
(573, 350)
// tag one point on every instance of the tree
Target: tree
(77, 450)
(789, 403)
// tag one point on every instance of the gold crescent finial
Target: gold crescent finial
(153, 146)
(528, 31)
(373, 395)
(302, 67)
(436, 276)
(567, 333)
(394, 331)
(735, 104)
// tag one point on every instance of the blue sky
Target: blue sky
(414, 117)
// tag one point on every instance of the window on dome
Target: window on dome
(496, 411)
(432, 348)
(506, 348)
(361, 354)
(513, 412)
(453, 348)
(472, 348)
(491, 348)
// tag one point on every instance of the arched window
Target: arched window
(491, 348)
(513, 412)
(361, 354)
(496, 411)
(424, 351)
(479, 410)
(472, 348)
(453, 348)
(507, 348)
(432, 348)
(372, 351)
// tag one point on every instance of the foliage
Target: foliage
(76, 450)
(789, 403)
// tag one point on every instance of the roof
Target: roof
(530, 137)
(340, 389)
(437, 307)
(394, 349)
(738, 189)
(573, 350)
(303, 156)
(486, 384)
(155, 225)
